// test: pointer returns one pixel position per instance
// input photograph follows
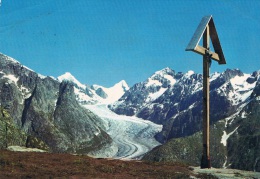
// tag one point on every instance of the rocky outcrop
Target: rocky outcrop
(47, 112)
(189, 149)
(100, 92)
(10, 134)
(244, 145)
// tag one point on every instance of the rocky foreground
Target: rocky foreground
(54, 165)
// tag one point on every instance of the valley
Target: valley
(133, 136)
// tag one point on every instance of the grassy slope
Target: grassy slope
(54, 165)
(50, 165)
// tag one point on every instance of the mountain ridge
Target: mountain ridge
(178, 108)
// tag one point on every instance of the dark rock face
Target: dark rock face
(100, 92)
(47, 111)
(10, 134)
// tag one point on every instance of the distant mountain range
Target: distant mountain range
(175, 101)
(48, 113)
(95, 94)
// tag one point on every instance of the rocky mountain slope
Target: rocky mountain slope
(175, 101)
(45, 113)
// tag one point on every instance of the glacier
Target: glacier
(133, 136)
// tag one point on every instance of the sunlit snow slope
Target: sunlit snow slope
(133, 136)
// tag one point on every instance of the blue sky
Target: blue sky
(105, 41)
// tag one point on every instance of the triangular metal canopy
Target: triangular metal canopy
(207, 22)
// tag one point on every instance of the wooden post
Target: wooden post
(6, 133)
(205, 160)
(206, 29)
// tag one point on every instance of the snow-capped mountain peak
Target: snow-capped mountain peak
(121, 85)
(241, 88)
(96, 93)
(69, 77)
(162, 77)
(111, 94)
(164, 71)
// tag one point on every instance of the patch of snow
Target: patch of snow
(12, 78)
(241, 84)
(243, 115)
(258, 98)
(188, 74)
(171, 79)
(225, 163)
(160, 106)
(152, 82)
(214, 76)
(24, 149)
(41, 76)
(227, 173)
(28, 68)
(192, 106)
(97, 132)
(231, 118)
(225, 136)
(198, 86)
(25, 91)
(242, 89)
(154, 96)
(162, 72)
(150, 106)
(52, 77)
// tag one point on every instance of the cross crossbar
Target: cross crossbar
(207, 22)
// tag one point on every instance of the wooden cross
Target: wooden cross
(206, 29)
